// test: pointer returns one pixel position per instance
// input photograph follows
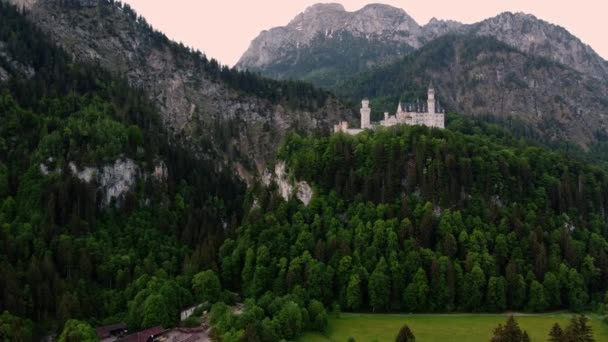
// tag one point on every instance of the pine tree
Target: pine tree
(510, 332)
(579, 330)
(405, 335)
(556, 334)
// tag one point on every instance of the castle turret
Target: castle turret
(365, 114)
(431, 99)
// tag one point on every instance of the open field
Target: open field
(448, 327)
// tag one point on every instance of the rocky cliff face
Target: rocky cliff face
(114, 181)
(389, 28)
(537, 37)
(216, 121)
(326, 42)
(372, 22)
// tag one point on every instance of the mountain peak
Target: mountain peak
(381, 8)
(325, 7)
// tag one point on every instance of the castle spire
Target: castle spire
(431, 99)
(365, 114)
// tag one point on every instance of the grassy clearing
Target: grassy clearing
(448, 327)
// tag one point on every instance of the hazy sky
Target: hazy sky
(223, 29)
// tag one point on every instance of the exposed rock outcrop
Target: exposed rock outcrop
(288, 187)
(117, 180)
(13, 65)
(113, 180)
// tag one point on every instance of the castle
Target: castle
(429, 114)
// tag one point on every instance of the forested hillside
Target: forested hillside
(412, 219)
(64, 251)
(234, 119)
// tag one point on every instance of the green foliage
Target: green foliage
(77, 331)
(416, 293)
(379, 287)
(157, 301)
(15, 329)
(269, 319)
(206, 286)
(192, 322)
(496, 296)
(289, 321)
(411, 219)
(537, 300)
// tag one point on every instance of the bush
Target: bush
(192, 321)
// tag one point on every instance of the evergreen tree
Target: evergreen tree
(496, 294)
(579, 329)
(405, 335)
(416, 293)
(556, 334)
(379, 287)
(510, 332)
(353, 292)
(537, 297)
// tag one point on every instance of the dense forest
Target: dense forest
(412, 219)
(63, 254)
(403, 220)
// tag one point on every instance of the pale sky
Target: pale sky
(223, 29)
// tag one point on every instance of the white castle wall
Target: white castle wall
(430, 118)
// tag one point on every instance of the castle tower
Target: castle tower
(431, 99)
(365, 114)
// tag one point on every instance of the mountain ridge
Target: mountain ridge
(523, 31)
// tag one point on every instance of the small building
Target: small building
(184, 314)
(110, 333)
(428, 114)
(148, 335)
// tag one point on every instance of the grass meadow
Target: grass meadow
(442, 327)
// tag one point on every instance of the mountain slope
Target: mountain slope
(480, 76)
(539, 38)
(386, 33)
(97, 208)
(235, 119)
(325, 42)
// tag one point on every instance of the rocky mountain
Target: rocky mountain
(234, 119)
(325, 42)
(540, 38)
(483, 77)
(307, 47)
